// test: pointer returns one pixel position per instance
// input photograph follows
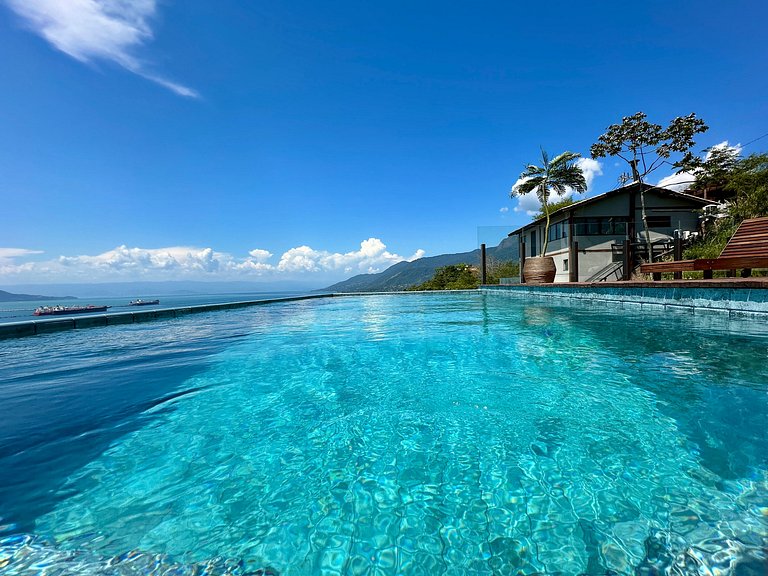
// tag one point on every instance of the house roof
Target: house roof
(616, 192)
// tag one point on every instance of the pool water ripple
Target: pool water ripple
(424, 434)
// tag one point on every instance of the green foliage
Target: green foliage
(495, 271)
(714, 170)
(453, 277)
(646, 146)
(554, 206)
(559, 174)
(466, 277)
(746, 179)
(749, 181)
(712, 243)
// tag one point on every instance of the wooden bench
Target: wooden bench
(747, 249)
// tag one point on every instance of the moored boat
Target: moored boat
(140, 302)
(60, 310)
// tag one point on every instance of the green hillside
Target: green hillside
(406, 274)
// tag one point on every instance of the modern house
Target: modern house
(587, 238)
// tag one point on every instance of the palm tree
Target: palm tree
(559, 174)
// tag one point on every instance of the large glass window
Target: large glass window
(600, 226)
(558, 230)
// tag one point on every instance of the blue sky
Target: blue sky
(243, 140)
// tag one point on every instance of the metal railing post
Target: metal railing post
(483, 269)
(627, 262)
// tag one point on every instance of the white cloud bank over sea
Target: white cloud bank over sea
(98, 30)
(191, 263)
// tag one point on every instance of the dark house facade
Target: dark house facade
(586, 238)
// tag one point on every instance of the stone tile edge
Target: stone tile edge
(634, 297)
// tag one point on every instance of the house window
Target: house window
(603, 226)
(565, 265)
(558, 230)
(659, 221)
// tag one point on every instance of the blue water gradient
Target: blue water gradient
(405, 434)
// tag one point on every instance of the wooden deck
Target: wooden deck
(747, 249)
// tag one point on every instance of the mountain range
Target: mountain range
(11, 297)
(406, 274)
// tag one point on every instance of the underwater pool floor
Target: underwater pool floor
(412, 434)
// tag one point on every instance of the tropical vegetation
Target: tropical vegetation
(560, 174)
(645, 147)
(747, 180)
(466, 277)
(554, 207)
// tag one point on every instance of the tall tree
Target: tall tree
(558, 174)
(646, 147)
(747, 179)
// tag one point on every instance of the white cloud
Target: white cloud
(260, 255)
(683, 181)
(590, 168)
(504, 209)
(186, 262)
(91, 30)
(678, 182)
(10, 253)
(372, 257)
(530, 204)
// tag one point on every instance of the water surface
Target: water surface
(413, 434)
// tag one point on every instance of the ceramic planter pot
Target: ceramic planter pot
(539, 270)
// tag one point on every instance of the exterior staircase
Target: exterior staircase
(614, 268)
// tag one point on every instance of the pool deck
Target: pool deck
(735, 296)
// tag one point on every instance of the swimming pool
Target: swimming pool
(414, 434)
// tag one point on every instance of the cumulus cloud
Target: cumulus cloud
(92, 30)
(530, 204)
(186, 262)
(590, 168)
(370, 258)
(260, 255)
(678, 182)
(504, 209)
(683, 181)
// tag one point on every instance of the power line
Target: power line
(755, 140)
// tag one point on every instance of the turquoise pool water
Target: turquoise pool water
(413, 434)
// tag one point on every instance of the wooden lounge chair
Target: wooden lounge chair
(747, 249)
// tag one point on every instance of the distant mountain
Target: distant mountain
(405, 274)
(11, 297)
